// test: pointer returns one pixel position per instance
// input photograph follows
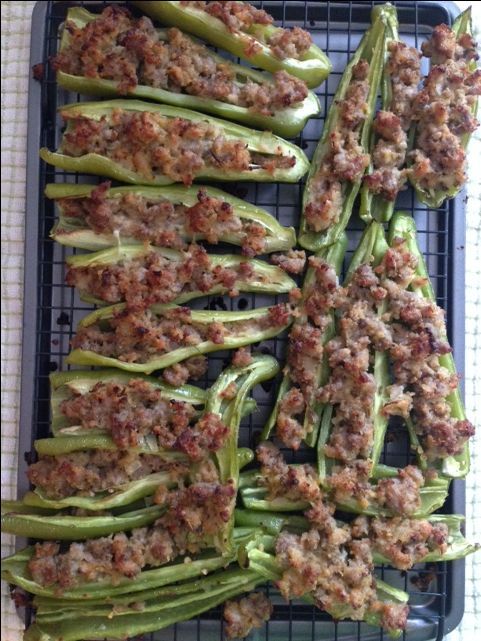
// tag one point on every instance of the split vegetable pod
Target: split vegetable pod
(268, 146)
(372, 49)
(241, 328)
(285, 122)
(85, 271)
(64, 385)
(76, 232)
(457, 466)
(435, 198)
(313, 66)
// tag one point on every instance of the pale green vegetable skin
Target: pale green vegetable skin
(75, 233)
(265, 279)
(284, 122)
(313, 67)
(233, 337)
(261, 142)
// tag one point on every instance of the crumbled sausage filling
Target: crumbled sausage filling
(193, 519)
(244, 615)
(151, 277)
(242, 16)
(305, 353)
(351, 387)
(153, 145)
(162, 222)
(137, 337)
(135, 409)
(130, 52)
(443, 111)
(88, 472)
(344, 159)
(391, 127)
(404, 542)
(419, 343)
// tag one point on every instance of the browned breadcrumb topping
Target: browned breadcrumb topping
(193, 518)
(85, 473)
(162, 222)
(152, 277)
(242, 16)
(137, 336)
(130, 52)
(305, 353)
(244, 615)
(152, 145)
(443, 110)
(343, 159)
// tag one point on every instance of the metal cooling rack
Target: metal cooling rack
(52, 309)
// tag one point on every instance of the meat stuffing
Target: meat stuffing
(336, 569)
(292, 262)
(130, 52)
(343, 159)
(153, 145)
(419, 343)
(85, 473)
(305, 353)
(136, 409)
(351, 387)
(242, 16)
(404, 542)
(190, 524)
(178, 374)
(151, 277)
(299, 483)
(245, 614)
(391, 127)
(164, 223)
(138, 337)
(444, 111)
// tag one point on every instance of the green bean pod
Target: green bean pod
(265, 278)
(284, 122)
(434, 199)
(252, 45)
(313, 412)
(371, 48)
(75, 232)
(255, 141)
(244, 328)
(403, 226)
